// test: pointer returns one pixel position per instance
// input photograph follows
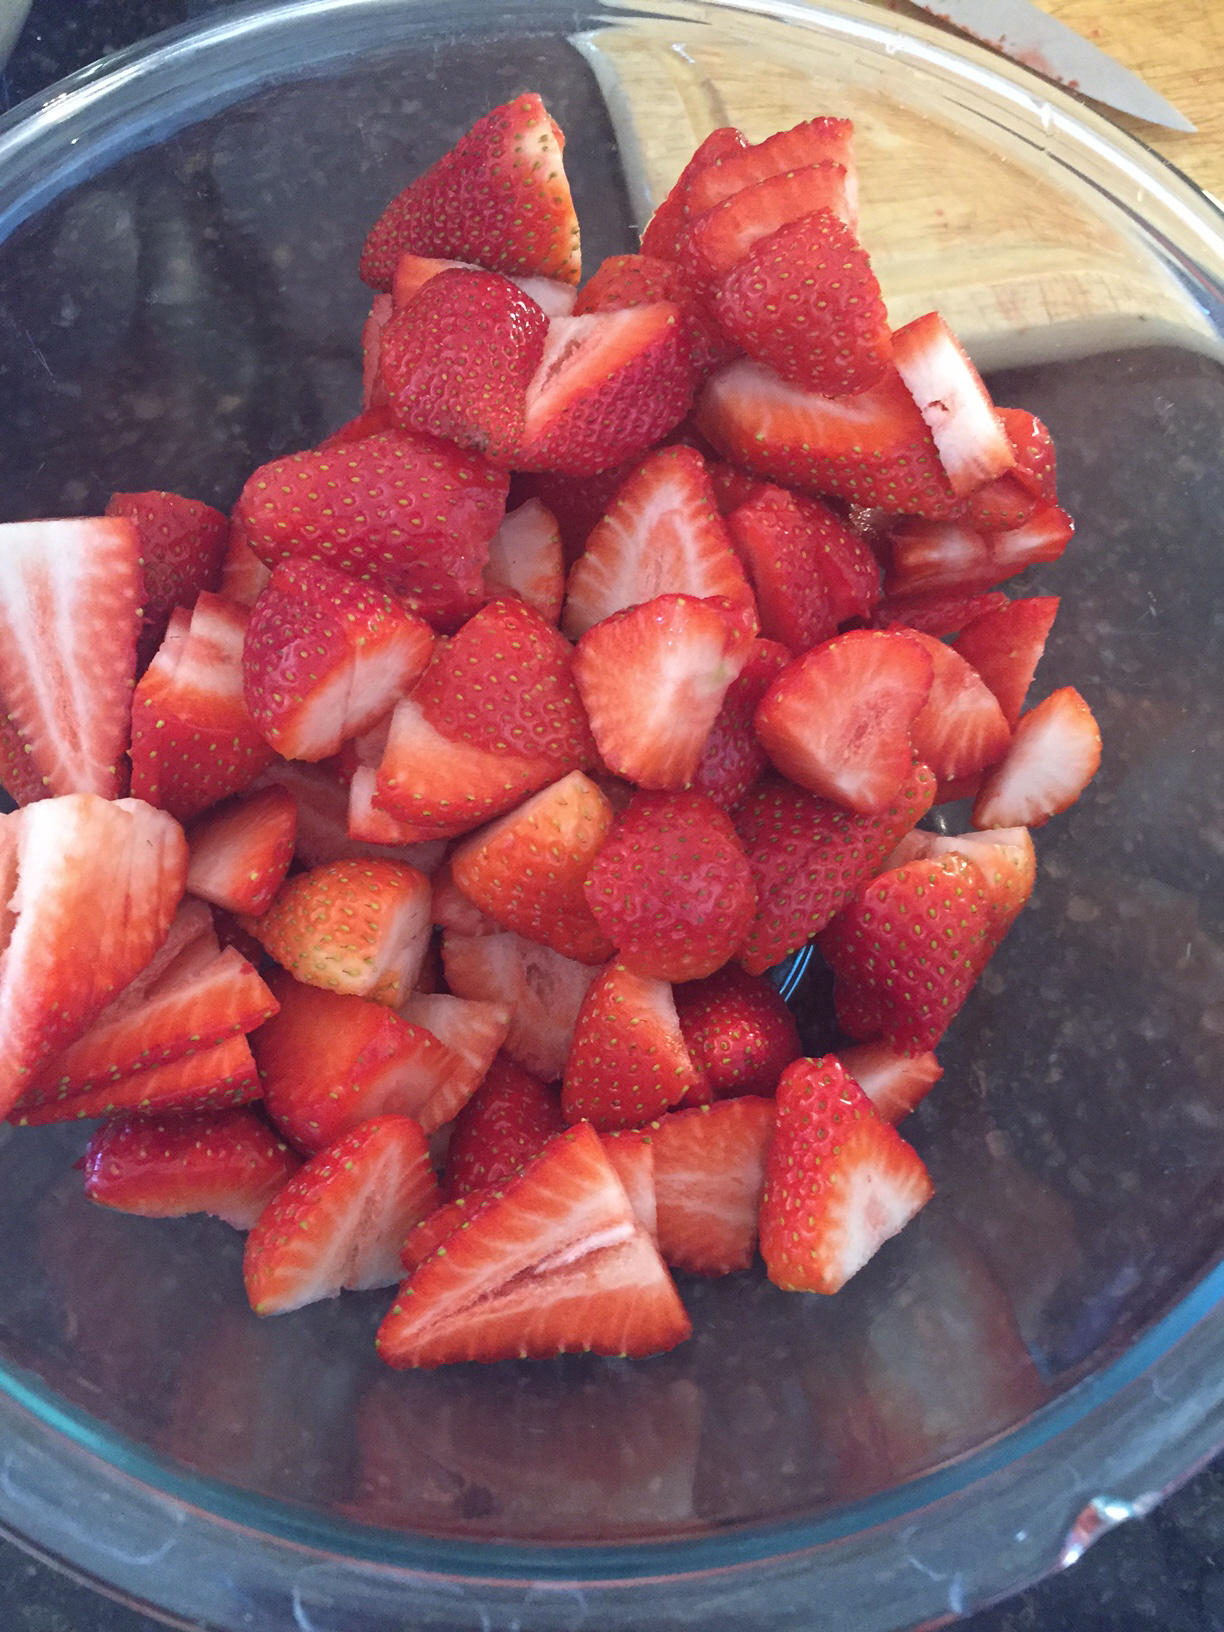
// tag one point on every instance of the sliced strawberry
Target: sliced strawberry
(472, 1030)
(1005, 858)
(322, 802)
(506, 1124)
(424, 1239)
(1004, 645)
(369, 824)
(839, 1180)
(738, 1031)
(360, 927)
(1036, 466)
(499, 197)
(653, 680)
(894, 1083)
(542, 990)
(1054, 754)
(870, 449)
(527, 869)
(610, 385)
(961, 729)
(665, 229)
(733, 758)
(70, 594)
(182, 548)
(193, 739)
(631, 1154)
(1000, 504)
(628, 1063)
(640, 280)
(1043, 537)
(243, 574)
(661, 535)
(939, 612)
(325, 657)
(734, 230)
(805, 301)
(837, 720)
(209, 1079)
(972, 442)
(671, 887)
(525, 557)
(735, 166)
(241, 850)
(557, 1262)
(225, 1162)
(809, 856)
(376, 421)
(373, 387)
(340, 1221)
(412, 514)
(412, 272)
(709, 1175)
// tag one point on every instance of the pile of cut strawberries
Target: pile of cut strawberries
(400, 859)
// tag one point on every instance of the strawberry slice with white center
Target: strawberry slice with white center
(837, 720)
(229, 1163)
(209, 1079)
(339, 1222)
(815, 141)
(895, 1083)
(325, 657)
(839, 1180)
(1054, 754)
(973, 444)
(628, 1063)
(1005, 645)
(541, 989)
(241, 850)
(732, 231)
(506, 1123)
(632, 1155)
(610, 385)
(653, 680)
(525, 557)
(961, 729)
(556, 1263)
(472, 1030)
(70, 598)
(709, 1175)
(662, 535)
(929, 556)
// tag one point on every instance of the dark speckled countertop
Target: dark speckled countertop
(1165, 1572)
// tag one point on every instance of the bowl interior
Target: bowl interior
(179, 302)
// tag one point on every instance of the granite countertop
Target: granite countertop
(1164, 1572)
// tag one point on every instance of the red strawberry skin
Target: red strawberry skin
(413, 514)
(1005, 645)
(182, 550)
(628, 1063)
(666, 226)
(709, 1168)
(738, 1031)
(241, 850)
(640, 280)
(733, 758)
(499, 197)
(506, 1123)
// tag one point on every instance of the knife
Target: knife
(1029, 36)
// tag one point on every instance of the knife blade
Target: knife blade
(1034, 39)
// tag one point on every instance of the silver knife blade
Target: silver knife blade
(1029, 36)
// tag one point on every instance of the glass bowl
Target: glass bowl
(1039, 1354)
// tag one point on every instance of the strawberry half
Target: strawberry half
(925, 556)
(733, 758)
(1005, 644)
(709, 1172)
(555, 1263)
(70, 594)
(506, 1123)
(339, 1222)
(240, 851)
(225, 1162)
(738, 1032)
(182, 548)
(499, 197)
(895, 1083)
(541, 990)
(525, 558)
(628, 1063)
(1054, 754)
(839, 1180)
(973, 444)
(660, 535)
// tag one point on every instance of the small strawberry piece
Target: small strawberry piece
(506, 1123)
(805, 301)
(240, 851)
(895, 1083)
(837, 720)
(661, 535)
(457, 360)
(665, 229)
(610, 385)
(340, 1221)
(452, 910)
(907, 950)
(1000, 504)
(628, 1063)
(373, 388)
(961, 729)
(671, 887)
(527, 869)
(839, 1181)
(1054, 754)
(193, 739)
(733, 758)
(504, 684)
(412, 514)
(640, 280)
(473, 1031)
(939, 612)
(554, 1264)
(225, 1162)
(499, 197)
(653, 680)
(370, 825)
(360, 927)
(243, 574)
(738, 1031)
(376, 421)
(525, 557)
(872, 449)
(972, 442)
(1036, 466)
(709, 1175)
(413, 272)
(325, 657)
(631, 1154)
(322, 802)
(1005, 858)
(182, 548)
(542, 991)
(1043, 537)
(736, 229)
(70, 594)
(815, 141)
(1005, 644)
(937, 557)
(210, 1079)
